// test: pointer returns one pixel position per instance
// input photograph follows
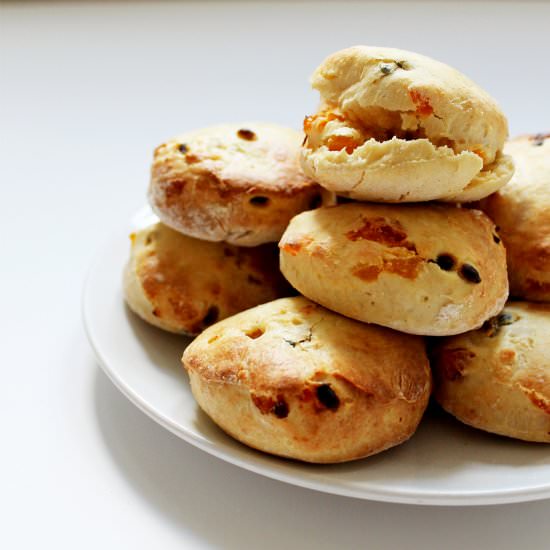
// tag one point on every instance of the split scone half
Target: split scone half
(497, 378)
(296, 380)
(521, 210)
(423, 269)
(396, 126)
(183, 285)
(238, 183)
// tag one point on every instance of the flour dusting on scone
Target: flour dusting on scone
(238, 183)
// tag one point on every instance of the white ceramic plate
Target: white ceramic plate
(445, 462)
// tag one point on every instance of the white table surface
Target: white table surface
(86, 92)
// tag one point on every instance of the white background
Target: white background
(86, 92)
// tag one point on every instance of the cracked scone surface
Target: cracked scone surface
(433, 270)
(296, 380)
(522, 212)
(497, 378)
(396, 126)
(238, 183)
(182, 284)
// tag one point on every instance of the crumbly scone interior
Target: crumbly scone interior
(332, 129)
(358, 105)
(487, 181)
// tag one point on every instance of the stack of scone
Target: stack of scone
(224, 196)
(342, 371)
(497, 378)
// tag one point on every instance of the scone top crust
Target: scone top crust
(392, 89)
(432, 270)
(294, 379)
(250, 156)
(239, 183)
(522, 212)
(497, 378)
(317, 344)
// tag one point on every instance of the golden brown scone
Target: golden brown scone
(296, 380)
(182, 285)
(396, 126)
(521, 210)
(238, 183)
(433, 269)
(497, 378)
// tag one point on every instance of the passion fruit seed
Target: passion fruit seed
(259, 201)
(506, 319)
(491, 327)
(280, 409)
(445, 261)
(327, 396)
(470, 273)
(248, 135)
(387, 68)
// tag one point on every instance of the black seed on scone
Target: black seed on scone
(470, 273)
(327, 396)
(296, 380)
(238, 183)
(259, 201)
(491, 327)
(249, 135)
(184, 285)
(445, 262)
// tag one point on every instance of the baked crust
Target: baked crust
(182, 285)
(395, 126)
(238, 183)
(521, 210)
(497, 378)
(433, 270)
(296, 380)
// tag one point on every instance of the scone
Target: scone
(182, 285)
(238, 183)
(396, 126)
(497, 378)
(296, 380)
(521, 210)
(422, 269)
